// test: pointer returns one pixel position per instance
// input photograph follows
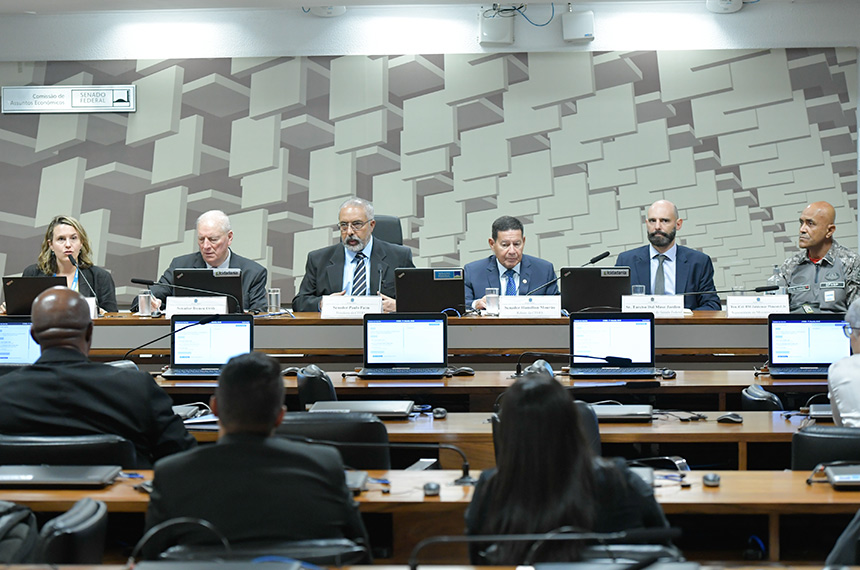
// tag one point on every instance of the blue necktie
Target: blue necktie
(511, 287)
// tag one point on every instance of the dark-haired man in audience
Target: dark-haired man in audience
(251, 485)
(509, 270)
(63, 393)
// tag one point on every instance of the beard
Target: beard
(660, 239)
(354, 243)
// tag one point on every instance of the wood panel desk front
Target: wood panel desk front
(712, 386)
(472, 432)
(770, 493)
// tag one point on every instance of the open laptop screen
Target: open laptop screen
(212, 344)
(404, 340)
(628, 335)
(17, 347)
(799, 339)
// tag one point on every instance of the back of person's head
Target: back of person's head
(250, 394)
(852, 317)
(61, 318)
(505, 224)
(545, 466)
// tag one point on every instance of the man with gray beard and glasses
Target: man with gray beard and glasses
(358, 265)
(664, 267)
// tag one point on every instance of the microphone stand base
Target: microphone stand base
(466, 480)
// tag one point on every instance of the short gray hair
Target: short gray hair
(216, 217)
(853, 314)
(360, 202)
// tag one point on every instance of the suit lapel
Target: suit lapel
(378, 266)
(643, 268)
(682, 271)
(493, 275)
(526, 284)
(334, 271)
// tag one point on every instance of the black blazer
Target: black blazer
(254, 278)
(254, 488)
(324, 272)
(63, 393)
(102, 289)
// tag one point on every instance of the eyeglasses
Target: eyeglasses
(356, 225)
(848, 329)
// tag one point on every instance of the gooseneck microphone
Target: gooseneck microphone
(204, 321)
(610, 360)
(150, 283)
(465, 478)
(591, 261)
(74, 262)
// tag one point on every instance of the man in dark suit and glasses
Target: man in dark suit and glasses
(343, 268)
(251, 485)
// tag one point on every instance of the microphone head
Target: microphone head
(618, 360)
(147, 282)
(603, 255)
(72, 260)
(540, 366)
(766, 288)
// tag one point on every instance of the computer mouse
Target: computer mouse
(463, 371)
(711, 480)
(440, 413)
(431, 489)
(291, 371)
(731, 418)
(668, 374)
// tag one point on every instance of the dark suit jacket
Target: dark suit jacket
(255, 488)
(101, 281)
(254, 278)
(324, 272)
(484, 273)
(65, 394)
(693, 272)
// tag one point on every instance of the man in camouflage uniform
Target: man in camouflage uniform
(824, 278)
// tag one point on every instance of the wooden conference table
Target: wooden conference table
(473, 433)
(707, 335)
(699, 389)
(770, 493)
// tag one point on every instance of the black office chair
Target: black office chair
(588, 424)
(97, 449)
(75, 537)
(314, 385)
(754, 398)
(816, 444)
(345, 428)
(321, 552)
(388, 229)
(846, 551)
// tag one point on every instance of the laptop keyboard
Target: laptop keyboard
(626, 371)
(195, 371)
(798, 371)
(404, 371)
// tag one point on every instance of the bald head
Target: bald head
(817, 225)
(61, 318)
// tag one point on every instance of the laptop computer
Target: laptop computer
(210, 283)
(601, 288)
(389, 409)
(66, 476)
(628, 336)
(200, 351)
(425, 289)
(821, 412)
(805, 345)
(17, 347)
(623, 412)
(19, 292)
(843, 476)
(405, 345)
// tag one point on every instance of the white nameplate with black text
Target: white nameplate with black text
(760, 306)
(69, 99)
(214, 305)
(663, 306)
(349, 307)
(530, 306)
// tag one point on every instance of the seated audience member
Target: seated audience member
(547, 477)
(825, 277)
(66, 236)
(843, 377)
(664, 267)
(509, 270)
(251, 485)
(63, 393)
(342, 269)
(214, 236)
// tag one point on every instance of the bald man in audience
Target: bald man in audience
(63, 393)
(825, 276)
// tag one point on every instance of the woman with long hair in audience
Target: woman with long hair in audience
(547, 477)
(66, 236)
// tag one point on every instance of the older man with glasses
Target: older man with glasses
(843, 377)
(358, 265)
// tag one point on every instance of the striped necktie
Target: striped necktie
(359, 277)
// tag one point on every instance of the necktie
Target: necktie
(359, 279)
(511, 286)
(660, 277)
